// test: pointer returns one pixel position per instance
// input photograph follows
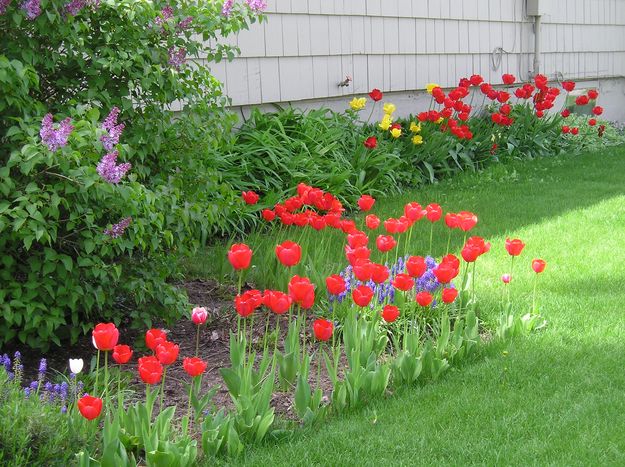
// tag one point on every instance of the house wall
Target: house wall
(306, 47)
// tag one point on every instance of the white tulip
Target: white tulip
(75, 365)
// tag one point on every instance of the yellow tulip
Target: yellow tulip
(389, 108)
(430, 87)
(385, 124)
(417, 139)
(396, 132)
(414, 127)
(358, 103)
(440, 120)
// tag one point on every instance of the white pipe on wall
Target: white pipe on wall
(537, 44)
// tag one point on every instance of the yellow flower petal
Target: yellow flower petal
(417, 139)
(395, 132)
(389, 108)
(358, 103)
(414, 127)
(430, 87)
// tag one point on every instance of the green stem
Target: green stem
(119, 391)
(189, 404)
(251, 334)
(163, 388)
(511, 279)
(197, 341)
(448, 241)
(431, 236)
(97, 374)
(106, 378)
(473, 283)
(266, 332)
(534, 296)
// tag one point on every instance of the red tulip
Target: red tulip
(385, 243)
(150, 370)
(391, 225)
(445, 272)
(592, 122)
(466, 220)
(300, 219)
(508, 79)
(357, 239)
(167, 353)
(289, 253)
(354, 254)
(390, 313)
(155, 337)
(379, 273)
(597, 110)
(470, 252)
(323, 329)
(565, 113)
(240, 256)
(403, 282)
(581, 100)
(122, 354)
(424, 298)
(403, 224)
(375, 95)
(593, 94)
(250, 197)
(480, 243)
(372, 221)
(363, 270)
(366, 202)
(451, 260)
(416, 267)
(433, 212)
(538, 265)
(268, 215)
(318, 222)
(362, 295)
(506, 278)
(449, 295)
(574, 131)
(452, 220)
(194, 366)
(348, 226)
(105, 336)
(302, 291)
(286, 218)
(371, 142)
(243, 305)
(413, 211)
(90, 407)
(277, 301)
(565, 129)
(476, 80)
(335, 284)
(541, 81)
(568, 85)
(514, 247)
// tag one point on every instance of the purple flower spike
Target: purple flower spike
(177, 57)
(226, 9)
(113, 130)
(256, 5)
(4, 4)
(32, 8)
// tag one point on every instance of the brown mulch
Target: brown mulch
(213, 348)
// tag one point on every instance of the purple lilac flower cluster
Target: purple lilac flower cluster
(113, 130)
(256, 5)
(117, 230)
(177, 57)
(63, 393)
(32, 8)
(109, 170)
(183, 24)
(4, 4)
(167, 13)
(73, 7)
(226, 8)
(55, 138)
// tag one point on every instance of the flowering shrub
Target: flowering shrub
(94, 207)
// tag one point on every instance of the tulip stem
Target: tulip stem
(511, 279)
(431, 236)
(448, 241)
(106, 378)
(251, 334)
(319, 365)
(534, 297)
(197, 341)
(97, 373)
(162, 388)
(266, 332)
(189, 404)
(473, 283)
(275, 344)
(119, 390)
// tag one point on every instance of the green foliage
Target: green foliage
(35, 432)
(59, 273)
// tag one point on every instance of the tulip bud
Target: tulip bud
(76, 365)
(199, 315)
(506, 278)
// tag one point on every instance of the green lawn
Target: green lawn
(558, 397)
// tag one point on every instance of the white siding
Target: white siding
(306, 47)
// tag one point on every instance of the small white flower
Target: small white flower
(75, 365)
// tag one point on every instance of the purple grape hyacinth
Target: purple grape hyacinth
(109, 170)
(55, 138)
